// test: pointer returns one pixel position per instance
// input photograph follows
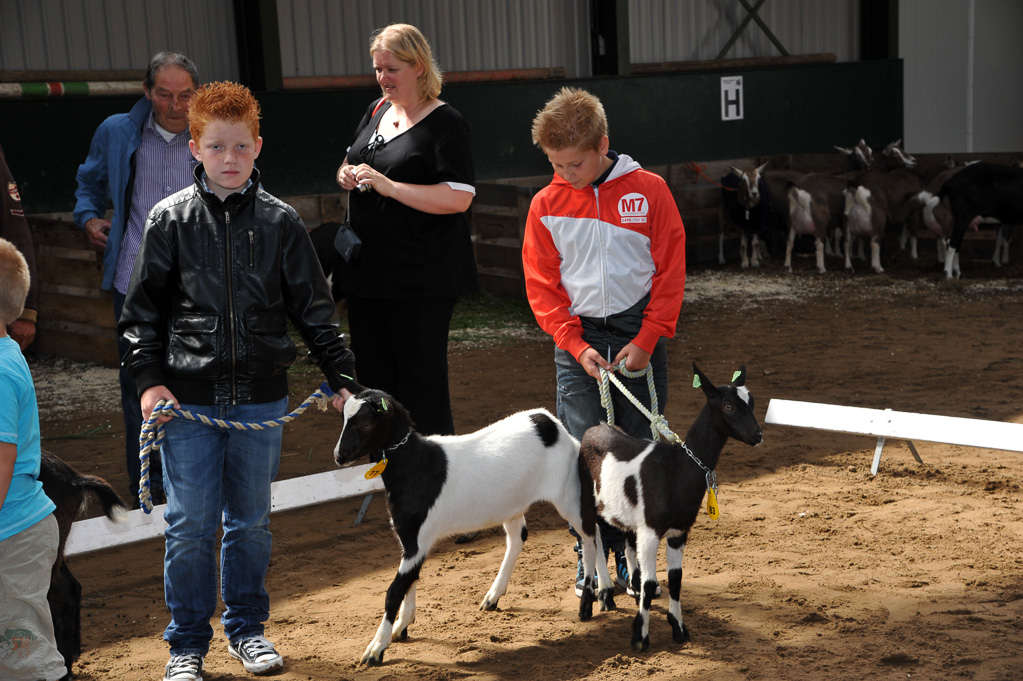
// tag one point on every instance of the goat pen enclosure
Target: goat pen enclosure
(500, 208)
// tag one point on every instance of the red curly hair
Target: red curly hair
(222, 101)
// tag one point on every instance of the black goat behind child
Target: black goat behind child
(71, 491)
(653, 490)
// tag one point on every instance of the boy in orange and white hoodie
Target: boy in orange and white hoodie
(604, 262)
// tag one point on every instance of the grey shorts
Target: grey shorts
(27, 648)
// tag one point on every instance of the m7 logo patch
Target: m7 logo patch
(633, 208)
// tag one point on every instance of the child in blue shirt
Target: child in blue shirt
(28, 530)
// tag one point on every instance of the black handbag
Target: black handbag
(347, 242)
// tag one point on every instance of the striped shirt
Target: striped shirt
(162, 167)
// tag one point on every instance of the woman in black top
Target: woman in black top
(411, 161)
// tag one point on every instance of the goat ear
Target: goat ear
(701, 381)
(739, 379)
(735, 171)
(762, 167)
(844, 150)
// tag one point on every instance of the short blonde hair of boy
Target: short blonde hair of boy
(573, 118)
(222, 101)
(407, 43)
(14, 282)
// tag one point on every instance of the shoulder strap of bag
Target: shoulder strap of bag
(377, 107)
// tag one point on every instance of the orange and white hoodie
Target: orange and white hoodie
(598, 251)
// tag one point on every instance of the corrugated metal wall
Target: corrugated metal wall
(977, 102)
(668, 30)
(329, 38)
(88, 35)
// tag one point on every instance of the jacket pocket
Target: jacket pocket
(192, 345)
(271, 351)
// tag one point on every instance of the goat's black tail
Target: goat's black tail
(112, 503)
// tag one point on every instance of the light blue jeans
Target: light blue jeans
(210, 473)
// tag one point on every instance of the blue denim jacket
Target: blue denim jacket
(103, 178)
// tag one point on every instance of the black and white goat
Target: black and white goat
(439, 486)
(980, 191)
(654, 490)
(70, 491)
(745, 205)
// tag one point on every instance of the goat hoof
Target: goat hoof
(607, 600)
(488, 606)
(641, 646)
(586, 605)
(371, 660)
(679, 632)
(403, 636)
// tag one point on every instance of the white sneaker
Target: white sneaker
(183, 668)
(257, 655)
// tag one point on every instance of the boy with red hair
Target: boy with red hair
(222, 267)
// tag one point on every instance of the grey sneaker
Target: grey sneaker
(257, 655)
(183, 668)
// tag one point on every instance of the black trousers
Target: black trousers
(401, 347)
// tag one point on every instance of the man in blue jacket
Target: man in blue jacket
(136, 160)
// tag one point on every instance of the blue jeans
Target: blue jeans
(578, 401)
(209, 472)
(132, 410)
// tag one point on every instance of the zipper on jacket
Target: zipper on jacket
(230, 309)
(603, 269)
(252, 248)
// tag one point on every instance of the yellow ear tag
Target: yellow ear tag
(736, 375)
(712, 503)
(376, 470)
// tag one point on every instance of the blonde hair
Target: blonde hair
(222, 101)
(14, 282)
(573, 118)
(407, 43)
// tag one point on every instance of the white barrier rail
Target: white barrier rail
(902, 425)
(100, 533)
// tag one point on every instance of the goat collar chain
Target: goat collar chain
(379, 466)
(403, 441)
(712, 484)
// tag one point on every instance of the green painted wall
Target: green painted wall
(657, 119)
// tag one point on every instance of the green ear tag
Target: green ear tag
(384, 402)
(736, 375)
(696, 380)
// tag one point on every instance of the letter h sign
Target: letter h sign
(731, 98)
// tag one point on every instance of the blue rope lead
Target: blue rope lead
(152, 434)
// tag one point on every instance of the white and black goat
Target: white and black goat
(745, 205)
(980, 191)
(70, 491)
(655, 489)
(438, 486)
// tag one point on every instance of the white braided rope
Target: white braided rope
(658, 424)
(152, 434)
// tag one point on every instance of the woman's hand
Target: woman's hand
(346, 176)
(367, 176)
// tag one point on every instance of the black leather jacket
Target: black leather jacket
(210, 295)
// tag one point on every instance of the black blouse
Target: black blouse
(407, 253)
